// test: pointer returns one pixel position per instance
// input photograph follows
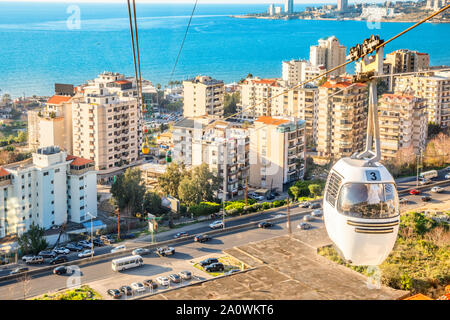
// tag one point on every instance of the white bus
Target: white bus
(127, 263)
(429, 174)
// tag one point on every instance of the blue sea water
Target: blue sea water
(37, 49)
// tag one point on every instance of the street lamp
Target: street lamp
(92, 239)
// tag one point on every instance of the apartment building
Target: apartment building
(256, 94)
(328, 53)
(48, 190)
(51, 126)
(277, 152)
(203, 96)
(183, 134)
(434, 87)
(342, 115)
(106, 121)
(403, 122)
(296, 71)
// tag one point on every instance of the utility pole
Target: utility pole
(92, 239)
(289, 217)
(246, 190)
(224, 191)
(118, 223)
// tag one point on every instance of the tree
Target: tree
(322, 81)
(152, 203)
(170, 180)
(315, 189)
(433, 129)
(128, 191)
(199, 185)
(33, 240)
(230, 104)
(295, 192)
(21, 137)
(189, 192)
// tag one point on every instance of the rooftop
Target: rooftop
(58, 99)
(77, 161)
(272, 121)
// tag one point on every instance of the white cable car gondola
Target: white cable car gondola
(361, 208)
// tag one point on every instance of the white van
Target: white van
(429, 174)
(127, 263)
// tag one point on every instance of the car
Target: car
(256, 197)
(232, 271)
(216, 224)
(3, 261)
(208, 261)
(185, 275)
(118, 248)
(423, 182)
(414, 192)
(447, 176)
(150, 283)
(74, 247)
(304, 226)
(138, 287)
(265, 224)
(86, 253)
(61, 250)
(317, 213)
(447, 169)
(35, 260)
(116, 294)
(141, 252)
(270, 197)
(175, 278)
(98, 242)
(126, 290)
(19, 270)
(27, 256)
(314, 206)
(84, 244)
(165, 251)
(437, 189)
(181, 235)
(308, 218)
(304, 204)
(63, 270)
(47, 254)
(108, 239)
(202, 238)
(58, 260)
(403, 200)
(426, 198)
(214, 267)
(164, 281)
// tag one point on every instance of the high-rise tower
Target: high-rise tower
(289, 6)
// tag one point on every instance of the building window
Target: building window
(57, 170)
(82, 207)
(81, 188)
(45, 173)
(81, 198)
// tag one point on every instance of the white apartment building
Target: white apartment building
(403, 122)
(328, 53)
(296, 71)
(203, 96)
(48, 190)
(434, 87)
(106, 121)
(277, 152)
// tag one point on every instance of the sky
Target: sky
(200, 1)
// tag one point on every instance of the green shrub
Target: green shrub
(204, 208)
(278, 203)
(235, 205)
(266, 205)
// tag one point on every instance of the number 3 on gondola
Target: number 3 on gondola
(373, 175)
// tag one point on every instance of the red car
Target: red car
(414, 192)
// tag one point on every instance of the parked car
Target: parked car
(150, 283)
(61, 250)
(84, 243)
(185, 275)
(138, 287)
(216, 224)
(255, 196)
(265, 224)
(63, 270)
(126, 290)
(86, 253)
(165, 251)
(108, 239)
(27, 256)
(308, 218)
(304, 226)
(47, 254)
(426, 198)
(208, 261)
(314, 206)
(74, 247)
(19, 270)
(403, 200)
(116, 294)
(437, 189)
(414, 192)
(202, 238)
(98, 242)
(304, 204)
(118, 248)
(128, 236)
(181, 235)
(59, 259)
(447, 176)
(3, 261)
(175, 278)
(317, 213)
(141, 252)
(270, 196)
(35, 260)
(164, 281)
(214, 267)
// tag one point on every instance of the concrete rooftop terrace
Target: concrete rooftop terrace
(285, 268)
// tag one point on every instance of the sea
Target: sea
(46, 43)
